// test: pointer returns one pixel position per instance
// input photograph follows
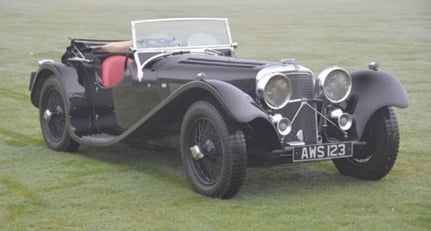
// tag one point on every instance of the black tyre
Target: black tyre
(213, 155)
(52, 116)
(377, 158)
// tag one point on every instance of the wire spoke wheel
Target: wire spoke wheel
(56, 122)
(52, 117)
(204, 135)
(214, 158)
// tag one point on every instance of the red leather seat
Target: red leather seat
(113, 70)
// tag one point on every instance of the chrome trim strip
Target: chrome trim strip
(288, 67)
(40, 62)
(180, 19)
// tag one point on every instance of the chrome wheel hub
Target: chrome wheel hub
(196, 152)
(47, 115)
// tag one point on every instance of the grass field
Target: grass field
(120, 188)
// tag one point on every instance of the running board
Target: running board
(98, 138)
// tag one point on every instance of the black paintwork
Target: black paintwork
(175, 71)
(132, 111)
(372, 90)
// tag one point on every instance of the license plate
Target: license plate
(322, 152)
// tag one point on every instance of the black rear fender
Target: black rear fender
(67, 76)
(77, 105)
(371, 91)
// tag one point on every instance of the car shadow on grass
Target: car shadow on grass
(166, 164)
(297, 179)
(160, 163)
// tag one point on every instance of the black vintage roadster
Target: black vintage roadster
(182, 76)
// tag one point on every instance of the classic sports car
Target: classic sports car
(182, 76)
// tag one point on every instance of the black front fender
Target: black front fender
(239, 104)
(233, 102)
(372, 90)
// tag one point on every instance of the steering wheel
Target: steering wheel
(159, 41)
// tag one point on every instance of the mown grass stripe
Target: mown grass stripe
(14, 138)
(17, 208)
(4, 92)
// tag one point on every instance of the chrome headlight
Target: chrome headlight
(335, 84)
(275, 89)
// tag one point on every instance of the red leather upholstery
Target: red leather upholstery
(113, 70)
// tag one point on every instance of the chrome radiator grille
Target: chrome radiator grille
(306, 119)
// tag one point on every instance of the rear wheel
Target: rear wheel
(214, 157)
(52, 116)
(377, 158)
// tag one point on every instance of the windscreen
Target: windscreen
(180, 33)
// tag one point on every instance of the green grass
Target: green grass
(120, 188)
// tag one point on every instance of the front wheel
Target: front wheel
(214, 155)
(52, 116)
(377, 158)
